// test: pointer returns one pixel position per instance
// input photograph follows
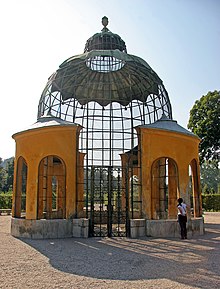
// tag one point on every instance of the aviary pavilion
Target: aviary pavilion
(105, 157)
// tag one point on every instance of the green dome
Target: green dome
(105, 76)
(105, 40)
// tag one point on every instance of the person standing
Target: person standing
(182, 217)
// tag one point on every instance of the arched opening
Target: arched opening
(164, 188)
(20, 190)
(195, 189)
(51, 189)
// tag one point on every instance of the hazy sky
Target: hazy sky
(179, 39)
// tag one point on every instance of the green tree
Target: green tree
(210, 177)
(1, 174)
(9, 174)
(204, 121)
(6, 174)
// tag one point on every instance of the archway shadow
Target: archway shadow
(184, 261)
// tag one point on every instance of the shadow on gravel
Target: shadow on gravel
(192, 262)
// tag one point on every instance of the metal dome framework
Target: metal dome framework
(114, 122)
(108, 93)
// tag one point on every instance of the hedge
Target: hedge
(211, 202)
(6, 200)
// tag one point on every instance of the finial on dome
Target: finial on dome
(105, 23)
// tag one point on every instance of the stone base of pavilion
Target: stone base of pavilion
(168, 228)
(79, 228)
(49, 229)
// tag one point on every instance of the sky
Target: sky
(179, 39)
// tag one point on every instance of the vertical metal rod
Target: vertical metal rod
(109, 202)
(100, 200)
(119, 201)
(92, 200)
(127, 203)
(87, 166)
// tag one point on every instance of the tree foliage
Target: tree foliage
(1, 174)
(204, 121)
(210, 177)
(6, 174)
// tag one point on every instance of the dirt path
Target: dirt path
(111, 263)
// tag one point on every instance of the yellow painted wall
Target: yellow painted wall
(35, 144)
(157, 143)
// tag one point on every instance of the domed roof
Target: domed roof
(105, 73)
(105, 40)
(86, 77)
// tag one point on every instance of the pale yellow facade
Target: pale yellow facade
(182, 149)
(34, 145)
(163, 163)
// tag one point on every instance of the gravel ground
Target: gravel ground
(111, 263)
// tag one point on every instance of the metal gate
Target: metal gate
(107, 201)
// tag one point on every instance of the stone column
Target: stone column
(172, 183)
(80, 183)
(196, 190)
(18, 189)
(155, 190)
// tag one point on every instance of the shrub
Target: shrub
(6, 200)
(211, 202)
